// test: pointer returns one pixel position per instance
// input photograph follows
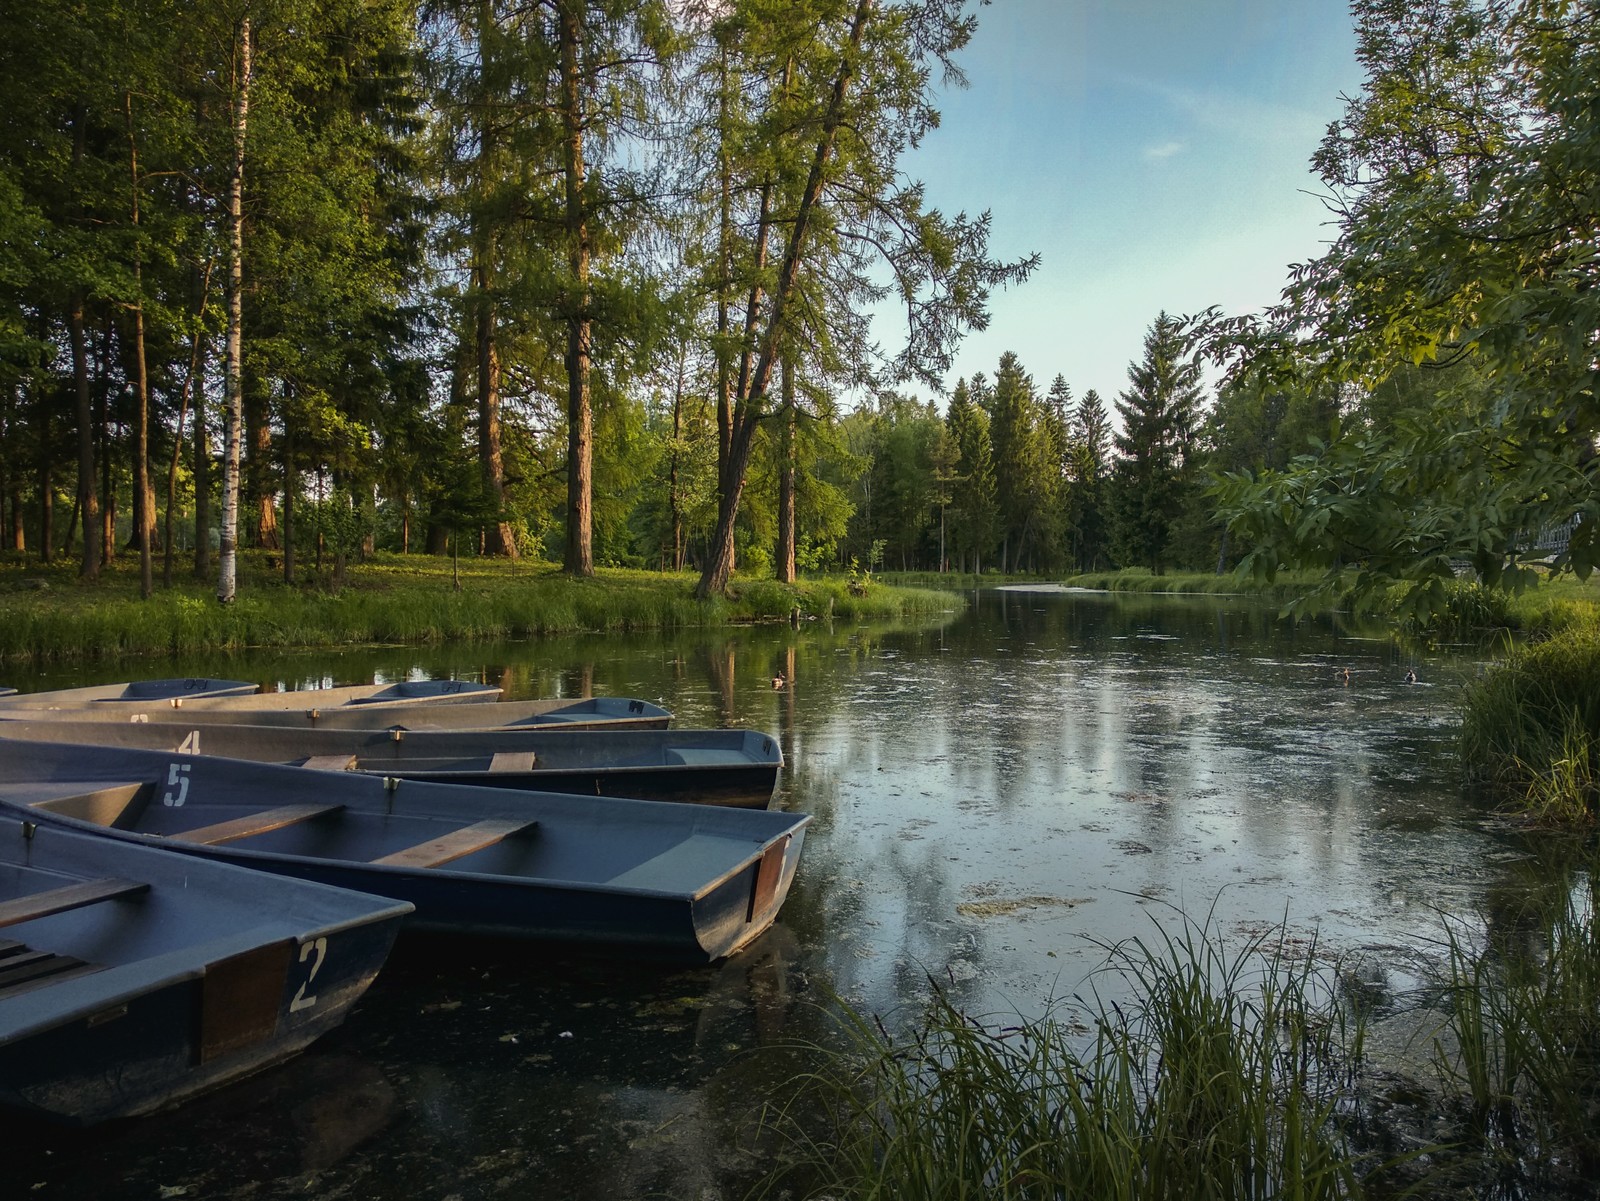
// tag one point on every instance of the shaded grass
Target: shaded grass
(412, 599)
(1228, 1076)
(1530, 728)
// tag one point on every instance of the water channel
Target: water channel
(997, 796)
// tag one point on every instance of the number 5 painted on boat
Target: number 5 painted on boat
(177, 776)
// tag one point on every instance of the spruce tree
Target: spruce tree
(1155, 472)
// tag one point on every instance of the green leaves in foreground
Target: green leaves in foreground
(1224, 1077)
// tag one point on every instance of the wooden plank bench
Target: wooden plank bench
(26, 969)
(70, 896)
(330, 762)
(511, 761)
(447, 847)
(251, 824)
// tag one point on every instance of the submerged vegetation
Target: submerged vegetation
(412, 599)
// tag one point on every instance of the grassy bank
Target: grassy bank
(50, 614)
(1285, 588)
(1530, 727)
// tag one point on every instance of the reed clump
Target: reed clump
(1530, 728)
(1229, 1075)
(1520, 1068)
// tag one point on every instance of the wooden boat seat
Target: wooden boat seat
(22, 968)
(330, 762)
(252, 824)
(69, 896)
(447, 847)
(512, 761)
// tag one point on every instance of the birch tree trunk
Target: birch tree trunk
(227, 558)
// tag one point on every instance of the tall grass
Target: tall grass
(1228, 1076)
(409, 600)
(1522, 1063)
(1530, 726)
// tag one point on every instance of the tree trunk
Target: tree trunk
(177, 438)
(719, 565)
(674, 500)
(88, 500)
(201, 455)
(288, 502)
(579, 557)
(144, 495)
(259, 477)
(786, 465)
(497, 537)
(227, 582)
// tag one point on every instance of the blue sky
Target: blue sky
(1154, 152)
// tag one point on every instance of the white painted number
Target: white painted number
(319, 949)
(177, 777)
(190, 744)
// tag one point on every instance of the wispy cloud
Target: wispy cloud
(1233, 115)
(1164, 150)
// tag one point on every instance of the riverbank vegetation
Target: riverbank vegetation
(405, 599)
(1248, 1072)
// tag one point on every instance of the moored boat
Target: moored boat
(171, 692)
(593, 713)
(238, 696)
(687, 882)
(715, 767)
(131, 978)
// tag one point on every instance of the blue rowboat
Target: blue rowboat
(302, 710)
(685, 882)
(132, 978)
(236, 695)
(172, 692)
(704, 767)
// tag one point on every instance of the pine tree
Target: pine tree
(972, 503)
(1090, 472)
(1154, 475)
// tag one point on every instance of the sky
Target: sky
(1156, 153)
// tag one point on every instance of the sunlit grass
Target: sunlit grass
(49, 614)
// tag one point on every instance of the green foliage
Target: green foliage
(1465, 176)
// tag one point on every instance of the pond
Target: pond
(997, 799)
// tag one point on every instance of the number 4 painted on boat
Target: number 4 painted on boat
(319, 949)
(190, 744)
(177, 777)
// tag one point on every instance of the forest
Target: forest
(594, 282)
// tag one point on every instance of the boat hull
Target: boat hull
(684, 882)
(200, 977)
(708, 767)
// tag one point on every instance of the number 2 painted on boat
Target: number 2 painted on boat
(319, 948)
(177, 776)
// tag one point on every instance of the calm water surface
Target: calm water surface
(996, 799)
